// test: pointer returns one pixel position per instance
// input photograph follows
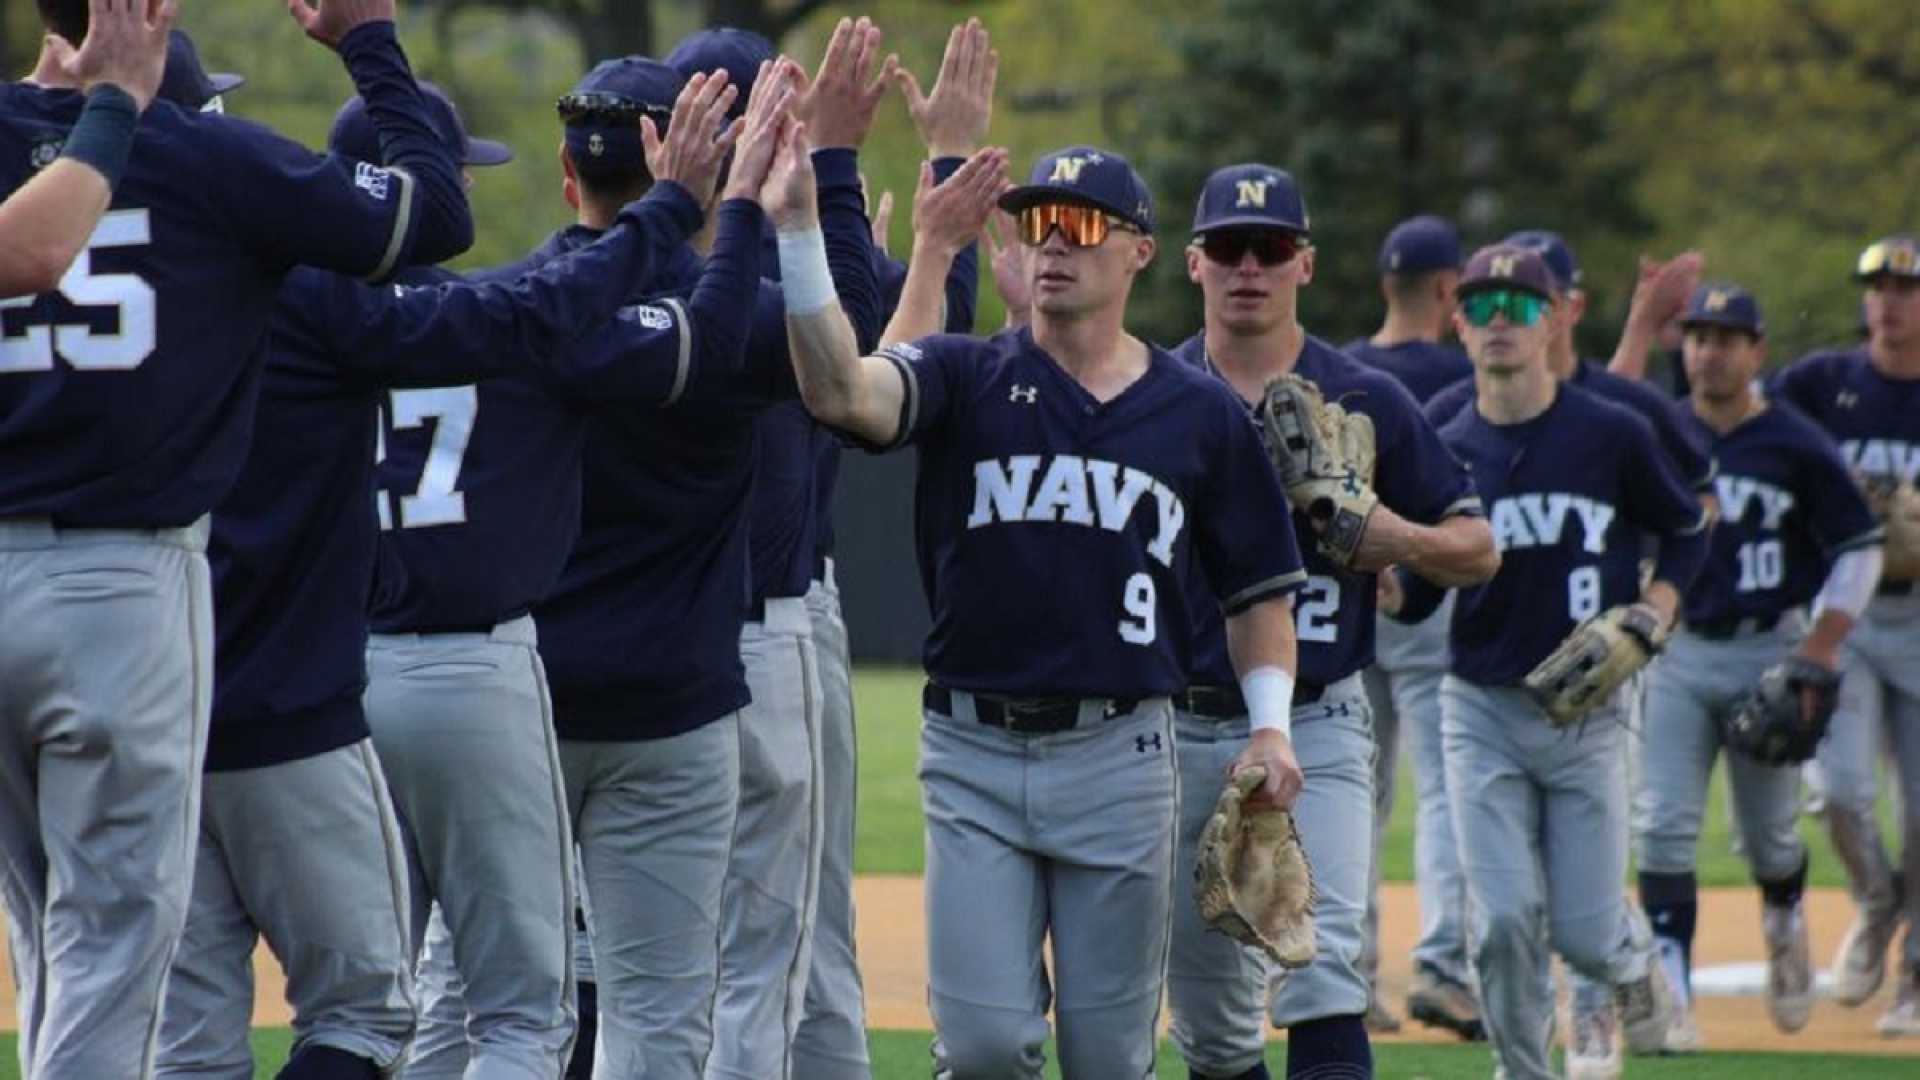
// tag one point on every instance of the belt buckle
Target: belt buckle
(1023, 716)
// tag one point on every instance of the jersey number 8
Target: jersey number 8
(85, 348)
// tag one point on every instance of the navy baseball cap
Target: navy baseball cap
(723, 48)
(1554, 249)
(606, 140)
(1251, 196)
(1086, 174)
(1893, 256)
(1508, 266)
(185, 82)
(1421, 245)
(353, 134)
(1724, 304)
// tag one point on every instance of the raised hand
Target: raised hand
(1662, 288)
(768, 108)
(951, 215)
(1008, 257)
(126, 46)
(882, 218)
(953, 119)
(332, 20)
(696, 143)
(838, 103)
(790, 195)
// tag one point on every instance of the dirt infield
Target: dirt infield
(892, 931)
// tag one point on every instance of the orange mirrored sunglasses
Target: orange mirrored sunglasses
(1079, 224)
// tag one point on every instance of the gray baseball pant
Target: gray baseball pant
(1218, 991)
(306, 854)
(831, 1043)
(1387, 732)
(1541, 818)
(1414, 658)
(106, 683)
(773, 872)
(1879, 693)
(654, 819)
(1694, 684)
(465, 732)
(1069, 836)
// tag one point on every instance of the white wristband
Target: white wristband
(806, 283)
(1269, 694)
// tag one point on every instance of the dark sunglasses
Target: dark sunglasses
(1270, 247)
(1521, 308)
(1079, 224)
(608, 110)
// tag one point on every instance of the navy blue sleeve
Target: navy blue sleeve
(1419, 597)
(1448, 403)
(1690, 454)
(933, 373)
(290, 206)
(1658, 503)
(849, 241)
(1799, 384)
(1417, 476)
(460, 331)
(1243, 526)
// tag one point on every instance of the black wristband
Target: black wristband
(103, 136)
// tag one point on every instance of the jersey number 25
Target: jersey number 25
(129, 297)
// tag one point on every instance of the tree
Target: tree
(609, 28)
(1382, 109)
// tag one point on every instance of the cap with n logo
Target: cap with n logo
(1507, 266)
(1724, 304)
(1086, 174)
(1251, 196)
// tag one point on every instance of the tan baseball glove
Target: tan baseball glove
(1252, 881)
(1325, 457)
(1898, 508)
(1596, 658)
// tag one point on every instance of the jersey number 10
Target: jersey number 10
(128, 295)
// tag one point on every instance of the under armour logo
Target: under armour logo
(1024, 395)
(1142, 742)
(1846, 399)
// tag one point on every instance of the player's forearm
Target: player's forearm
(398, 109)
(1830, 630)
(1457, 552)
(1630, 355)
(919, 312)
(1663, 597)
(1265, 652)
(46, 225)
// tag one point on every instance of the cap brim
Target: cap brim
(1020, 198)
(225, 81)
(1468, 288)
(1250, 221)
(1722, 320)
(487, 152)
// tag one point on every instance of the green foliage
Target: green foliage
(1381, 110)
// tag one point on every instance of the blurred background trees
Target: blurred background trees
(1776, 135)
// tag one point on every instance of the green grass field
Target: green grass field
(890, 842)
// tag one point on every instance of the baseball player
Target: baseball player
(190, 85)
(1250, 256)
(114, 446)
(1571, 484)
(1792, 530)
(47, 221)
(1069, 474)
(1419, 270)
(1868, 398)
(294, 792)
(641, 634)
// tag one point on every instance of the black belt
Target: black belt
(1227, 703)
(1895, 588)
(1733, 626)
(1023, 716)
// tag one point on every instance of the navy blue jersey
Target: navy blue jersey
(641, 635)
(1570, 494)
(1787, 508)
(1676, 438)
(1056, 534)
(1875, 419)
(1423, 367)
(1414, 474)
(293, 542)
(799, 461)
(480, 485)
(126, 396)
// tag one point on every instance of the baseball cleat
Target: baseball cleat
(1594, 1053)
(1903, 1017)
(1646, 1010)
(1683, 1035)
(1860, 965)
(1380, 1020)
(1438, 1001)
(1789, 971)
